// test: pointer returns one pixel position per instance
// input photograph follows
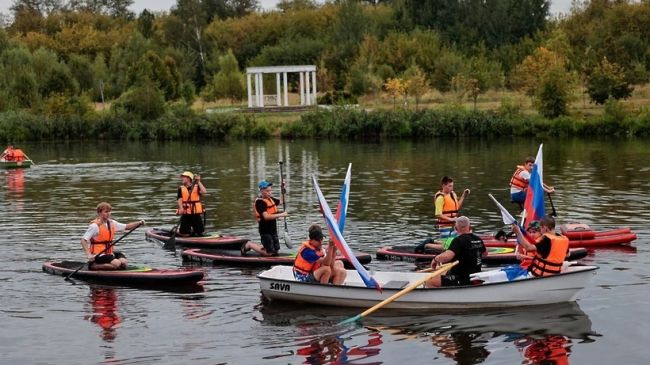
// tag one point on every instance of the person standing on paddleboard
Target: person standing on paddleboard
(189, 205)
(98, 239)
(266, 214)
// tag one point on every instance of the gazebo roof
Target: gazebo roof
(276, 69)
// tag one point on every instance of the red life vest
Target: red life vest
(303, 266)
(449, 208)
(517, 181)
(191, 201)
(271, 208)
(105, 237)
(552, 264)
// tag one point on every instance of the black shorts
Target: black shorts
(191, 224)
(453, 280)
(271, 242)
(106, 259)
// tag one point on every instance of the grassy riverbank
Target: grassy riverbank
(373, 119)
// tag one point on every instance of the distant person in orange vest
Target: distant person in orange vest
(13, 154)
(99, 236)
(447, 205)
(314, 265)
(190, 207)
(266, 214)
(519, 182)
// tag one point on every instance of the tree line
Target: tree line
(58, 57)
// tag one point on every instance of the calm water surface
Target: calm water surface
(44, 212)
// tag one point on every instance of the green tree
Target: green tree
(554, 93)
(82, 71)
(143, 101)
(145, 23)
(608, 80)
(417, 84)
(229, 81)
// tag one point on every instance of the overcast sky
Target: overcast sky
(557, 6)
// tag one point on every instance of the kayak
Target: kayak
(209, 240)
(580, 235)
(131, 276)
(15, 164)
(252, 258)
(278, 283)
(497, 255)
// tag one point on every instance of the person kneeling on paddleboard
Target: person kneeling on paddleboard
(98, 239)
(314, 265)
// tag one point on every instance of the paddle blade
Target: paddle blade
(287, 240)
(171, 243)
(350, 320)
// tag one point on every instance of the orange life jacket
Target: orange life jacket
(303, 266)
(105, 237)
(449, 208)
(552, 264)
(191, 201)
(517, 181)
(18, 155)
(271, 208)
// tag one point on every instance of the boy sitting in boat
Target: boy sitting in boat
(314, 265)
(549, 250)
(97, 242)
(468, 249)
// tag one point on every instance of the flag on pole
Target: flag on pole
(507, 218)
(342, 208)
(534, 203)
(339, 241)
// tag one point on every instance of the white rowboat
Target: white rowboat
(278, 283)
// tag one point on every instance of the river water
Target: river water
(45, 209)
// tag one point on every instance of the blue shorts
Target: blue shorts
(519, 197)
(305, 278)
(446, 231)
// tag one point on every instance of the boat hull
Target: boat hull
(497, 255)
(132, 276)
(278, 283)
(15, 165)
(224, 242)
(230, 257)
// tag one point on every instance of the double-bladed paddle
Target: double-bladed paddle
(67, 278)
(441, 270)
(283, 190)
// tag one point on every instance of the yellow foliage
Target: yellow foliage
(529, 73)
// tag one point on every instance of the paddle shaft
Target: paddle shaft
(283, 190)
(408, 289)
(104, 250)
(553, 213)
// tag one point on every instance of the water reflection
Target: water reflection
(103, 311)
(542, 334)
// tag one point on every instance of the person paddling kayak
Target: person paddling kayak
(98, 239)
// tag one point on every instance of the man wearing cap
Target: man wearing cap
(266, 214)
(314, 265)
(468, 249)
(190, 207)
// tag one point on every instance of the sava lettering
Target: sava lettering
(280, 286)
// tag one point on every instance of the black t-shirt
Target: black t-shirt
(266, 226)
(468, 250)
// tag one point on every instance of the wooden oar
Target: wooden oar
(287, 239)
(444, 268)
(67, 278)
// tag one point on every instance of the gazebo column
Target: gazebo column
(249, 90)
(302, 88)
(313, 84)
(286, 90)
(278, 92)
(307, 89)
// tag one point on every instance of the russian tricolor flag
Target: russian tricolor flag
(335, 232)
(534, 204)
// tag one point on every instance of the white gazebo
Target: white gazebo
(256, 90)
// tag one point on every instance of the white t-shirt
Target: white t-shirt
(525, 175)
(93, 229)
